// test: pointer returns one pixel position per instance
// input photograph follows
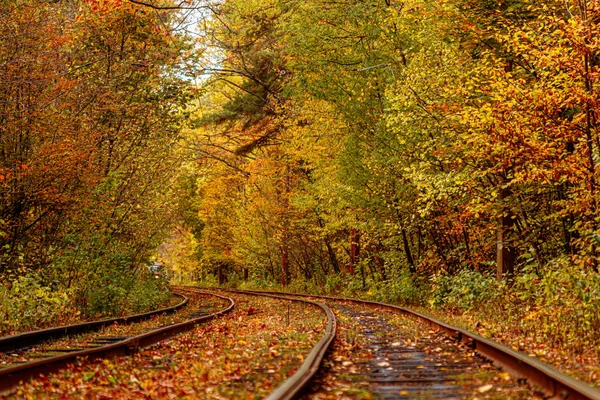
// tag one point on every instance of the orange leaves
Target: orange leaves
(90, 110)
(228, 357)
(104, 6)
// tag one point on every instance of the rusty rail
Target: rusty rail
(544, 377)
(27, 339)
(11, 376)
(296, 383)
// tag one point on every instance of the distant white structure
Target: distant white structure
(158, 269)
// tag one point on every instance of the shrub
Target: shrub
(562, 304)
(110, 295)
(464, 291)
(147, 293)
(27, 304)
(401, 288)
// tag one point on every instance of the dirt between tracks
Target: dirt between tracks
(381, 354)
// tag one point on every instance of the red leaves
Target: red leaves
(251, 311)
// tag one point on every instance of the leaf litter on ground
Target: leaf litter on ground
(242, 355)
(582, 364)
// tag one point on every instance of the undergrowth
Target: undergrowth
(558, 306)
(29, 303)
(116, 295)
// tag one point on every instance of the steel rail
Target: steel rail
(32, 338)
(541, 375)
(296, 383)
(11, 376)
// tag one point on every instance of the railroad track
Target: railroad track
(543, 377)
(105, 347)
(293, 386)
(394, 369)
(30, 345)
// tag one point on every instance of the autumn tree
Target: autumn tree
(92, 108)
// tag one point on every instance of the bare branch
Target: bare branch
(154, 6)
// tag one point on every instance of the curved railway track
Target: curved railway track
(289, 389)
(540, 375)
(103, 348)
(28, 339)
(413, 367)
(294, 385)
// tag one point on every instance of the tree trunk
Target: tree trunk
(505, 253)
(409, 257)
(220, 277)
(285, 264)
(354, 249)
(332, 257)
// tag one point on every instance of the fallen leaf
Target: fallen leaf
(485, 388)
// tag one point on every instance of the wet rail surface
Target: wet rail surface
(384, 355)
(43, 353)
(412, 381)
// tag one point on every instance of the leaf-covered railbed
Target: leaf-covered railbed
(379, 353)
(428, 153)
(198, 304)
(244, 354)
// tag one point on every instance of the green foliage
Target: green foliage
(108, 295)
(556, 305)
(336, 284)
(464, 291)
(401, 288)
(148, 293)
(208, 280)
(27, 304)
(561, 304)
